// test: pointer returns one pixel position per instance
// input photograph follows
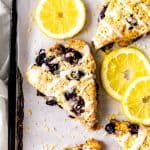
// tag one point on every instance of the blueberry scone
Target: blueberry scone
(130, 136)
(122, 21)
(90, 144)
(66, 74)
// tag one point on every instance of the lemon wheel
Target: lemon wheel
(120, 68)
(60, 19)
(136, 101)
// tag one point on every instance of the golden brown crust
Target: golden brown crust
(121, 127)
(56, 85)
(124, 21)
(91, 144)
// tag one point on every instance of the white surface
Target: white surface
(43, 117)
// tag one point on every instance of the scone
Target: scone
(130, 136)
(66, 74)
(91, 144)
(122, 21)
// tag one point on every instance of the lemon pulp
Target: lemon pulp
(60, 19)
(120, 68)
(136, 102)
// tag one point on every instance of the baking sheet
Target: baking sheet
(47, 127)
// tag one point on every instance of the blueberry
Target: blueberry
(53, 67)
(63, 49)
(40, 94)
(48, 60)
(42, 51)
(60, 106)
(78, 106)
(51, 101)
(72, 56)
(131, 27)
(40, 59)
(77, 75)
(132, 21)
(70, 94)
(72, 117)
(102, 13)
(133, 128)
(110, 128)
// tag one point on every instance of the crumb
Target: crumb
(113, 116)
(32, 19)
(65, 119)
(97, 5)
(46, 128)
(105, 134)
(52, 147)
(27, 130)
(99, 126)
(94, 14)
(107, 116)
(35, 53)
(75, 127)
(52, 129)
(73, 137)
(29, 29)
(36, 123)
(29, 111)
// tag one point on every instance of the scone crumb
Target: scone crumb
(46, 128)
(112, 116)
(75, 127)
(77, 44)
(97, 6)
(105, 134)
(35, 53)
(121, 128)
(29, 111)
(52, 147)
(27, 130)
(29, 29)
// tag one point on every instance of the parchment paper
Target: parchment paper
(47, 127)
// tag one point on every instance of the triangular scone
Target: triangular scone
(130, 136)
(66, 74)
(91, 144)
(122, 21)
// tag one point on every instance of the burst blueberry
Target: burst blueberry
(72, 56)
(110, 128)
(133, 128)
(70, 94)
(53, 67)
(40, 59)
(102, 13)
(78, 107)
(77, 75)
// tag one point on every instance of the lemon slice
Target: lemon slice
(60, 19)
(136, 101)
(120, 68)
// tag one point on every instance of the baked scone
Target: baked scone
(66, 74)
(122, 21)
(130, 136)
(90, 144)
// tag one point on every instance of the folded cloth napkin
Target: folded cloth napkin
(4, 61)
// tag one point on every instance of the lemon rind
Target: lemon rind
(107, 59)
(81, 22)
(125, 107)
